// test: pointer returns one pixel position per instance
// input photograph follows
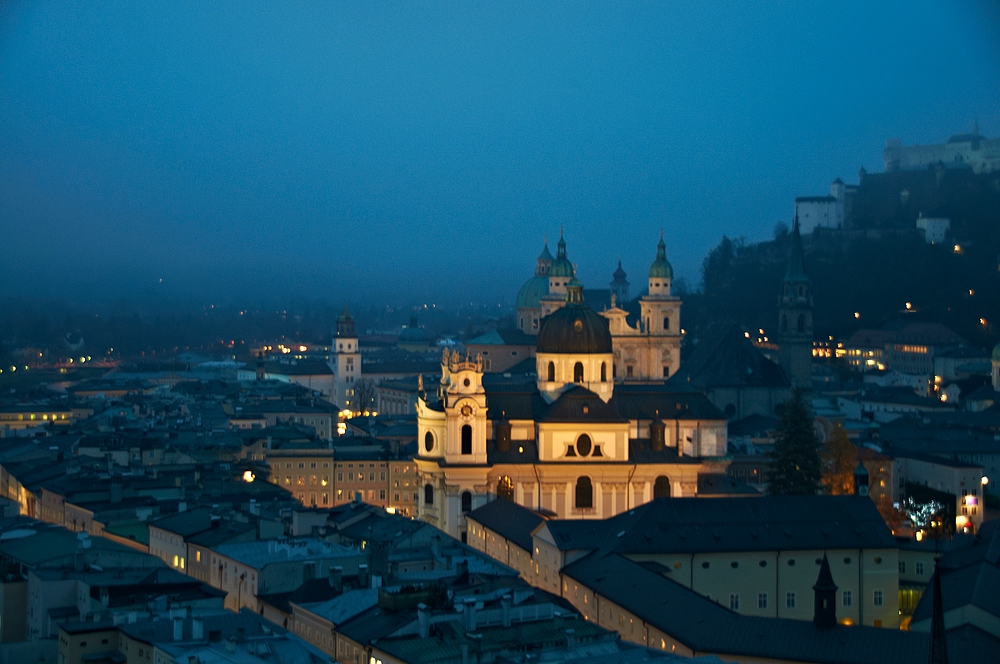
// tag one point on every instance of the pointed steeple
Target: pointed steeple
(796, 266)
(939, 643)
(825, 593)
(861, 480)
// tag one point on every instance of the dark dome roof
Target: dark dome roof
(574, 329)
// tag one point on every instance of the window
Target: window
(734, 601)
(505, 488)
(466, 439)
(552, 372)
(666, 372)
(578, 372)
(920, 569)
(877, 598)
(466, 502)
(761, 600)
(802, 323)
(902, 567)
(428, 495)
(661, 487)
(628, 371)
(583, 445)
(666, 323)
(381, 494)
(604, 372)
(789, 600)
(847, 599)
(428, 441)
(584, 493)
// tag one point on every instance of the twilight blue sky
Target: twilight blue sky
(347, 150)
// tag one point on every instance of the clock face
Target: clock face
(466, 410)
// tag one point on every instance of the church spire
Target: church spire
(796, 270)
(825, 592)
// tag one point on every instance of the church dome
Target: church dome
(575, 328)
(996, 353)
(531, 293)
(661, 269)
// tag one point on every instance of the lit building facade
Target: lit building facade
(572, 441)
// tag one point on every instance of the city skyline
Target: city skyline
(364, 152)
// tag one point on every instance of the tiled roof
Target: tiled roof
(706, 627)
(508, 519)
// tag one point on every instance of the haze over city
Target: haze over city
(393, 152)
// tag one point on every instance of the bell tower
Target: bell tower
(465, 411)
(795, 318)
(345, 361)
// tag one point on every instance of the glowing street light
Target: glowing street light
(857, 314)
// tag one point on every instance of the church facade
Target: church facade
(573, 440)
(646, 333)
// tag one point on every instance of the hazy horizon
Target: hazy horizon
(357, 151)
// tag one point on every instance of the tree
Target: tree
(839, 458)
(795, 470)
(365, 395)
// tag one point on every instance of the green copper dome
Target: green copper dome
(531, 293)
(660, 269)
(996, 353)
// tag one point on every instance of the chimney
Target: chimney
(470, 616)
(505, 609)
(825, 593)
(197, 629)
(337, 578)
(178, 629)
(424, 620)
(363, 575)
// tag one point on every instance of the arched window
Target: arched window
(505, 488)
(578, 372)
(428, 441)
(614, 371)
(584, 444)
(802, 323)
(604, 372)
(466, 502)
(428, 494)
(466, 439)
(661, 488)
(666, 322)
(552, 372)
(584, 493)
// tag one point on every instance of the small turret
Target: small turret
(825, 593)
(861, 480)
(619, 284)
(561, 270)
(660, 272)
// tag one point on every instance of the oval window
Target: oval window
(584, 445)
(428, 441)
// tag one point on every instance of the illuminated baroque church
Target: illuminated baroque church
(645, 337)
(578, 439)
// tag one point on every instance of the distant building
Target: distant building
(795, 319)
(972, 150)
(828, 212)
(935, 229)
